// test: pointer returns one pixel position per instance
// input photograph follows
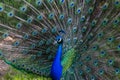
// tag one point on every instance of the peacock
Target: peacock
(62, 39)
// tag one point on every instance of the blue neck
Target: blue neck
(59, 53)
(56, 70)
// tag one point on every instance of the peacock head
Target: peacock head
(59, 39)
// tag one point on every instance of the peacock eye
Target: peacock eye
(88, 69)
(93, 78)
(23, 8)
(61, 16)
(50, 1)
(40, 17)
(117, 71)
(101, 71)
(105, 6)
(117, 2)
(1, 54)
(78, 11)
(39, 2)
(61, 1)
(27, 69)
(71, 4)
(25, 51)
(81, 72)
(19, 25)
(23, 65)
(90, 10)
(5, 35)
(14, 61)
(10, 14)
(59, 40)
(69, 21)
(82, 19)
(29, 20)
(1, 8)
(51, 16)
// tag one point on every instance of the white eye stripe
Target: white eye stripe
(59, 40)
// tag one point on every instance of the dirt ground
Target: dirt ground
(3, 68)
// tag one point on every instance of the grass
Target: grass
(13, 74)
